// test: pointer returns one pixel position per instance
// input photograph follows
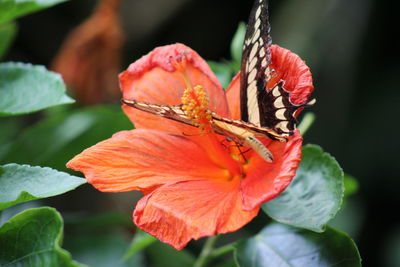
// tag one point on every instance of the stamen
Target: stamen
(195, 106)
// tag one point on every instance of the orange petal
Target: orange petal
(294, 71)
(143, 159)
(233, 97)
(176, 213)
(155, 79)
(264, 180)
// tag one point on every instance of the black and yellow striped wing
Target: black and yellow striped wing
(166, 111)
(261, 106)
(255, 70)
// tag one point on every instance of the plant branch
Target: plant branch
(222, 250)
(204, 256)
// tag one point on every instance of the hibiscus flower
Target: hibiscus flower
(194, 184)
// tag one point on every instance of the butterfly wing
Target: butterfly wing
(260, 106)
(166, 111)
(255, 71)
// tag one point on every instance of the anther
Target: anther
(195, 106)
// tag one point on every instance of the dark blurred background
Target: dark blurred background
(351, 47)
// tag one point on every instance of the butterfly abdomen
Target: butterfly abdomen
(259, 148)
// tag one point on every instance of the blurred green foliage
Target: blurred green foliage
(54, 140)
(7, 34)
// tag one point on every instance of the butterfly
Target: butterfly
(265, 112)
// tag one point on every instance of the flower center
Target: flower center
(195, 106)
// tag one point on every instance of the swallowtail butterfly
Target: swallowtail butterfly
(266, 113)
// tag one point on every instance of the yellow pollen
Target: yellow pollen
(195, 106)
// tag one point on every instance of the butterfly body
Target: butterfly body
(236, 130)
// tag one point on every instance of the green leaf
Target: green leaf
(33, 238)
(315, 194)
(163, 255)
(283, 245)
(7, 34)
(12, 9)
(68, 133)
(140, 241)
(7, 214)
(25, 88)
(21, 183)
(101, 249)
(237, 44)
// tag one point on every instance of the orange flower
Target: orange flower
(194, 185)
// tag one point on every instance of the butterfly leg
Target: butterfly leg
(242, 152)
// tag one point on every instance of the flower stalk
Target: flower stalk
(205, 253)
